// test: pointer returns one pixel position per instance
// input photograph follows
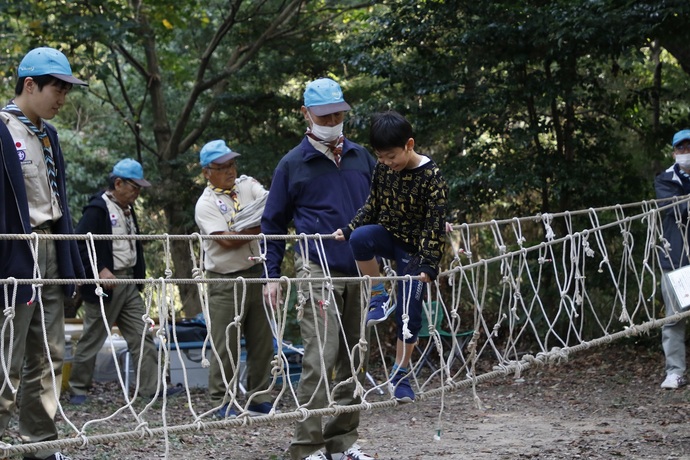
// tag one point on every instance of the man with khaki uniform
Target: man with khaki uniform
(218, 211)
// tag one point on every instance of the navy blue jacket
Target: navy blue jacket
(15, 255)
(96, 219)
(668, 184)
(310, 189)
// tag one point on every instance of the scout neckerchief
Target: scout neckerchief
(336, 146)
(45, 142)
(232, 193)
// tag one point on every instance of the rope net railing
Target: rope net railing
(512, 295)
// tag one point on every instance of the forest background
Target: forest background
(527, 106)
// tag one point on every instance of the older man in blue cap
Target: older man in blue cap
(219, 210)
(320, 185)
(33, 193)
(111, 212)
(674, 182)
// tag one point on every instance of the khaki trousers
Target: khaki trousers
(323, 339)
(225, 306)
(126, 308)
(30, 363)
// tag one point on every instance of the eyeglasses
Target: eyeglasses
(683, 147)
(226, 168)
(134, 185)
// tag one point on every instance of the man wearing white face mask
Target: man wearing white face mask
(320, 185)
(675, 181)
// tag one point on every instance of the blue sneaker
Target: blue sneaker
(77, 400)
(380, 308)
(225, 412)
(256, 410)
(402, 390)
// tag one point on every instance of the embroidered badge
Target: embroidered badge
(113, 220)
(21, 149)
(222, 206)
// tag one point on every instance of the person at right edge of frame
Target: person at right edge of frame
(674, 182)
(402, 220)
(320, 184)
(34, 200)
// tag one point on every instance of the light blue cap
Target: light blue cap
(681, 136)
(48, 61)
(216, 152)
(324, 96)
(132, 170)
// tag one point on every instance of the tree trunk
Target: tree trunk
(189, 294)
(182, 264)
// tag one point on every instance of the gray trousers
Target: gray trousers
(125, 308)
(323, 339)
(672, 334)
(30, 363)
(225, 305)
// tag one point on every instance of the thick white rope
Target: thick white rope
(569, 260)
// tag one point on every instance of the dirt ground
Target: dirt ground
(605, 403)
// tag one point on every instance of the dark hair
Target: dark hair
(111, 181)
(41, 81)
(389, 130)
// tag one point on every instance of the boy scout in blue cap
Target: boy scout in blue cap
(320, 185)
(34, 199)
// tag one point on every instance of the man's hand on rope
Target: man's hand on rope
(273, 294)
(338, 234)
(104, 275)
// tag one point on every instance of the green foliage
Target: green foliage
(536, 105)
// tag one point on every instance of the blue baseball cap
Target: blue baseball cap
(324, 96)
(681, 136)
(216, 152)
(132, 170)
(48, 61)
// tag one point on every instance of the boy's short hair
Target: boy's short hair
(41, 81)
(389, 130)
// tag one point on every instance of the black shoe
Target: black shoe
(55, 456)
(171, 391)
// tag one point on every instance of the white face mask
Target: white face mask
(683, 160)
(325, 133)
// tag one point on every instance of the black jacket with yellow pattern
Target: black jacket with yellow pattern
(411, 204)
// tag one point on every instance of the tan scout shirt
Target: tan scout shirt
(214, 212)
(43, 206)
(124, 251)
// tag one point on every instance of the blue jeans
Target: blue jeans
(369, 241)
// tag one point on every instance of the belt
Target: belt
(45, 227)
(124, 271)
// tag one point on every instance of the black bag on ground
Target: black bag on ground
(188, 330)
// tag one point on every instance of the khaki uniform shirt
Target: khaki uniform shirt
(43, 206)
(124, 251)
(214, 212)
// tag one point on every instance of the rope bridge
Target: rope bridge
(512, 295)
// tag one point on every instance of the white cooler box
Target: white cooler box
(197, 376)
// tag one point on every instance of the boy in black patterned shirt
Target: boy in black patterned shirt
(403, 220)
